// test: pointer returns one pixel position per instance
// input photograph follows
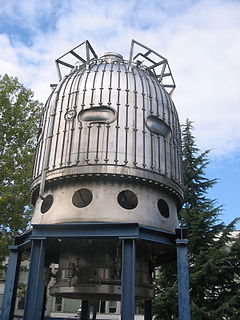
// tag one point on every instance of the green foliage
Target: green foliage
(19, 115)
(213, 253)
(21, 290)
(165, 303)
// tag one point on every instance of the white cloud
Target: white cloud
(201, 40)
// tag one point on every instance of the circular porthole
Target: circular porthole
(163, 208)
(47, 203)
(127, 199)
(82, 198)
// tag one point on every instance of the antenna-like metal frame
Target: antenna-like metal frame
(85, 60)
(157, 65)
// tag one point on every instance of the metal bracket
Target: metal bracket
(155, 63)
(85, 58)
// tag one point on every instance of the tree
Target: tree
(213, 253)
(19, 115)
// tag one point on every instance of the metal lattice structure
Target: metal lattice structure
(152, 62)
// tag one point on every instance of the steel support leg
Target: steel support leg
(148, 310)
(85, 312)
(183, 280)
(128, 280)
(35, 287)
(10, 291)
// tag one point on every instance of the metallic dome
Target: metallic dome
(109, 150)
(109, 125)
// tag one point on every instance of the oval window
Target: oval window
(127, 199)
(47, 203)
(101, 114)
(82, 198)
(157, 125)
(163, 208)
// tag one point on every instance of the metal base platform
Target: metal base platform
(38, 240)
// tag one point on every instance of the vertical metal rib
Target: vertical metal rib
(163, 102)
(110, 85)
(127, 121)
(70, 123)
(149, 95)
(88, 143)
(101, 87)
(170, 123)
(156, 96)
(150, 108)
(143, 121)
(97, 146)
(83, 104)
(74, 122)
(165, 156)
(79, 143)
(152, 146)
(135, 129)
(66, 132)
(179, 155)
(85, 88)
(170, 158)
(174, 144)
(47, 149)
(158, 142)
(109, 104)
(107, 141)
(77, 103)
(94, 83)
(60, 118)
(118, 104)
(39, 152)
(159, 153)
(169, 109)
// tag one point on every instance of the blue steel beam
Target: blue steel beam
(183, 280)
(35, 288)
(87, 230)
(10, 291)
(128, 280)
(107, 230)
(156, 235)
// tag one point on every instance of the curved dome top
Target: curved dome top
(110, 117)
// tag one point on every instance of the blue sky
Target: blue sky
(200, 38)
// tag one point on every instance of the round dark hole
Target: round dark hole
(47, 203)
(163, 208)
(127, 199)
(82, 198)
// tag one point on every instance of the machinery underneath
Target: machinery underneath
(91, 269)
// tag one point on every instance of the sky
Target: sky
(200, 39)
